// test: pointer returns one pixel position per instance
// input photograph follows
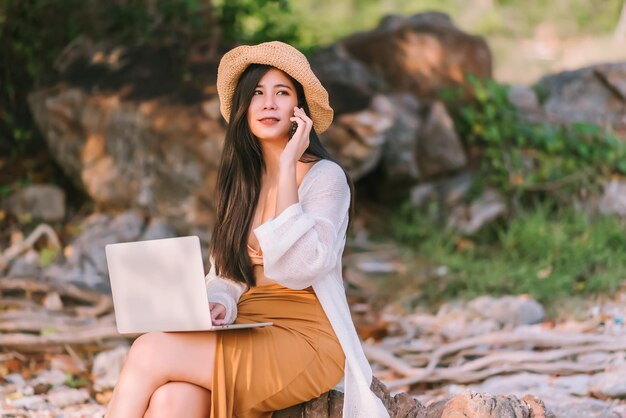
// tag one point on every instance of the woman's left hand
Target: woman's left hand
(298, 144)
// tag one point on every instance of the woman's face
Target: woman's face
(272, 105)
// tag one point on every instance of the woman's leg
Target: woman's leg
(157, 358)
(179, 399)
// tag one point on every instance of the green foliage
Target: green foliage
(33, 33)
(547, 253)
(47, 256)
(76, 381)
(521, 158)
(253, 21)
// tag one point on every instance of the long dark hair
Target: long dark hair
(239, 180)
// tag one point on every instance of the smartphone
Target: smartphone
(292, 129)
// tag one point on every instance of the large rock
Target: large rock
(84, 259)
(440, 150)
(595, 94)
(402, 405)
(421, 54)
(399, 162)
(357, 139)
(149, 155)
(128, 132)
(351, 86)
(484, 405)
(565, 396)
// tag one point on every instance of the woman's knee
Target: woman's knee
(145, 349)
(179, 399)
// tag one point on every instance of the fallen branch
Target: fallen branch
(567, 345)
(16, 249)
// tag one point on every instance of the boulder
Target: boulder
(594, 94)
(565, 396)
(351, 85)
(357, 139)
(440, 150)
(152, 156)
(422, 54)
(399, 161)
(84, 259)
(402, 405)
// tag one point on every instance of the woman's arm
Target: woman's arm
(287, 187)
(300, 244)
(224, 291)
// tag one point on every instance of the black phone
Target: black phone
(292, 129)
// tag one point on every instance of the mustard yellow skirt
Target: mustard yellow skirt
(261, 370)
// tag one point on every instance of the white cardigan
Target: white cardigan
(302, 246)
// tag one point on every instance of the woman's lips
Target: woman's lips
(268, 121)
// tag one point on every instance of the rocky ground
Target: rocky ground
(61, 354)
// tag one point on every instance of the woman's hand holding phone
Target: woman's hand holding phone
(299, 140)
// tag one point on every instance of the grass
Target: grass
(551, 255)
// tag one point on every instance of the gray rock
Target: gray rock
(158, 228)
(63, 397)
(357, 139)
(41, 201)
(439, 147)
(26, 265)
(613, 200)
(53, 377)
(575, 407)
(523, 97)
(85, 257)
(508, 310)
(564, 396)
(421, 194)
(107, 367)
(401, 140)
(351, 86)
(594, 94)
(130, 158)
(470, 218)
(15, 379)
(34, 402)
(610, 384)
(454, 189)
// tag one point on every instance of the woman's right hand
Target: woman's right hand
(218, 313)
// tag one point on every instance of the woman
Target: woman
(282, 214)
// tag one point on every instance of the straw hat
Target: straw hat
(285, 58)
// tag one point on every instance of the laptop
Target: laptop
(158, 285)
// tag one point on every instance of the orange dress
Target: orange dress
(261, 370)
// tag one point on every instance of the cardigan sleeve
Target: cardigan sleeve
(302, 243)
(224, 291)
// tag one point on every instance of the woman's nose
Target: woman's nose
(269, 102)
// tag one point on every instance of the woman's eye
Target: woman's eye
(283, 92)
(258, 92)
